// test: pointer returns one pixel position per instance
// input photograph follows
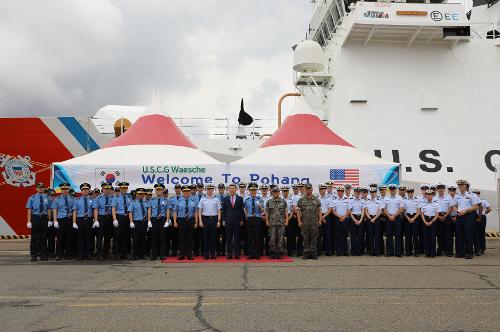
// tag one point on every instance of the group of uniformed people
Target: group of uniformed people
(379, 220)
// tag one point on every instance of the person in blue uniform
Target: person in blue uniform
(159, 224)
(265, 195)
(341, 210)
(373, 211)
(121, 231)
(243, 193)
(173, 232)
(451, 227)
(402, 194)
(62, 211)
(429, 216)
(445, 207)
(139, 215)
(356, 224)
(184, 219)
(198, 232)
(51, 230)
(421, 199)
(209, 217)
(382, 218)
(221, 231)
(37, 221)
(411, 219)
(103, 221)
(326, 220)
(253, 206)
(466, 207)
(82, 221)
(393, 206)
(480, 241)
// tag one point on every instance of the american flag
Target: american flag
(341, 176)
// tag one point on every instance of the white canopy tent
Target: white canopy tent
(153, 150)
(305, 149)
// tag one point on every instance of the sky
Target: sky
(72, 57)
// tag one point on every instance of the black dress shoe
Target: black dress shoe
(468, 256)
(80, 258)
(205, 257)
(136, 258)
(58, 258)
(153, 258)
(190, 258)
(181, 258)
(257, 257)
(314, 257)
(459, 256)
(33, 259)
(162, 258)
(478, 254)
(101, 258)
(236, 257)
(229, 256)
(416, 255)
(398, 255)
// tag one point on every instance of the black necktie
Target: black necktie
(106, 209)
(41, 204)
(85, 207)
(253, 206)
(159, 210)
(66, 205)
(124, 204)
(186, 209)
(142, 209)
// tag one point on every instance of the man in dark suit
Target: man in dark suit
(233, 216)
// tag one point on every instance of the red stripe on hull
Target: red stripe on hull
(26, 137)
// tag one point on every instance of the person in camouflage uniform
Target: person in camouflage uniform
(309, 218)
(276, 220)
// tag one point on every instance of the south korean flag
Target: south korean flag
(109, 175)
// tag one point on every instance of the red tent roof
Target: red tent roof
(304, 129)
(153, 129)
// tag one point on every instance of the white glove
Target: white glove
(150, 224)
(168, 223)
(224, 223)
(75, 226)
(28, 225)
(56, 224)
(96, 224)
(132, 225)
(50, 224)
(115, 223)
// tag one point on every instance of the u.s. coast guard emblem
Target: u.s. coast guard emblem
(17, 170)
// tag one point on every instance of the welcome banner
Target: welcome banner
(172, 174)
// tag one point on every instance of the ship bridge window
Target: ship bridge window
(493, 34)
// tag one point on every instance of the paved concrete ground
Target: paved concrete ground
(333, 293)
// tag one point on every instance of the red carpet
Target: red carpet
(223, 259)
